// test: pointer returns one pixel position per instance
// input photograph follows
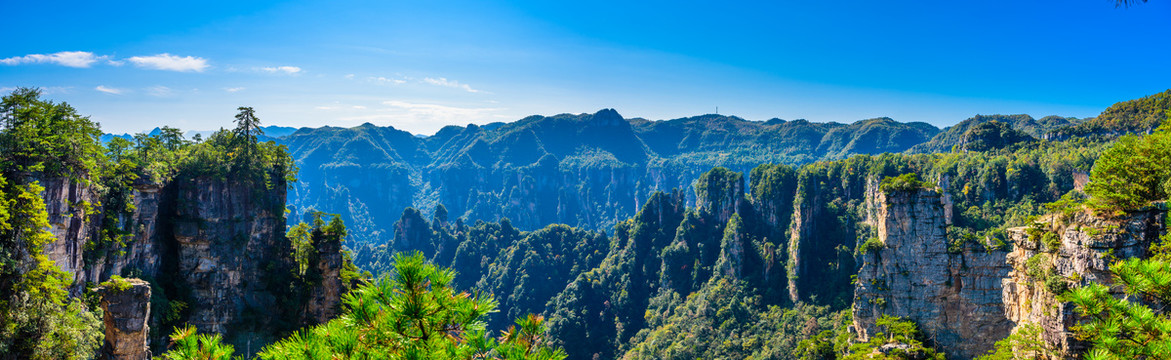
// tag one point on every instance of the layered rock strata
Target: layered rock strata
(1069, 251)
(954, 296)
(230, 240)
(126, 313)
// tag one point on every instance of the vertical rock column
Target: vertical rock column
(954, 296)
(230, 239)
(326, 297)
(127, 310)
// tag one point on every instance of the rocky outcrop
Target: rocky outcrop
(1069, 251)
(126, 308)
(805, 213)
(954, 296)
(230, 242)
(325, 298)
(221, 244)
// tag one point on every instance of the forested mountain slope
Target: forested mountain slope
(594, 170)
(587, 170)
(689, 278)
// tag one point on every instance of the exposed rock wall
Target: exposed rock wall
(143, 253)
(954, 297)
(221, 242)
(65, 202)
(1085, 246)
(325, 299)
(230, 238)
(126, 316)
(805, 214)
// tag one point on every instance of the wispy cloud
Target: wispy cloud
(54, 90)
(449, 83)
(170, 62)
(290, 70)
(233, 89)
(109, 90)
(76, 59)
(159, 91)
(386, 80)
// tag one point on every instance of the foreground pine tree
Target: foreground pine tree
(413, 314)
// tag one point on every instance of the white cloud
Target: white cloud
(449, 83)
(76, 59)
(386, 80)
(324, 107)
(109, 90)
(359, 107)
(170, 62)
(282, 69)
(234, 89)
(349, 76)
(159, 91)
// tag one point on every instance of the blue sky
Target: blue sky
(421, 65)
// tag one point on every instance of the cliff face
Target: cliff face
(230, 238)
(325, 298)
(70, 223)
(801, 234)
(144, 251)
(67, 203)
(1077, 251)
(220, 243)
(954, 297)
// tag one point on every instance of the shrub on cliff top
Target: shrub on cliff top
(903, 183)
(117, 284)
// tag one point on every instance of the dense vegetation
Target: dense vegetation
(43, 141)
(522, 269)
(671, 273)
(416, 313)
(1128, 117)
(593, 171)
(1132, 174)
(37, 318)
(959, 134)
(590, 171)
(740, 260)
